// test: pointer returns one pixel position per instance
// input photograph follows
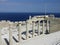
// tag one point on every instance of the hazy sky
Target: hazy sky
(30, 6)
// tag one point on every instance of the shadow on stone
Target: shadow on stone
(46, 32)
(7, 42)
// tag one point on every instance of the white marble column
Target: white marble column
(10, 35)
(48, 25)
(19, 33)
(33, 28)
(27, 31)
(0, 37)
(38, 27)
(43, 27)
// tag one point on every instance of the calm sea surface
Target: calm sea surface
(21, 16)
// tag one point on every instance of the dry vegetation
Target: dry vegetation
(55, 25)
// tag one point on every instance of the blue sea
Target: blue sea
(21, 16)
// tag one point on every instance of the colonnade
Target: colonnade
(33, 29)
(27, 31)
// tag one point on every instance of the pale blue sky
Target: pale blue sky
(30, 6)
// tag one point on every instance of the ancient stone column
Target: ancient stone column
(10, 35)
(0, 37)
(27, 31)
(38, 27)
(19, 33)
(48, 25)
(33, 28)
(43, 27)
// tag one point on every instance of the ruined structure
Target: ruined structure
(14, 33)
